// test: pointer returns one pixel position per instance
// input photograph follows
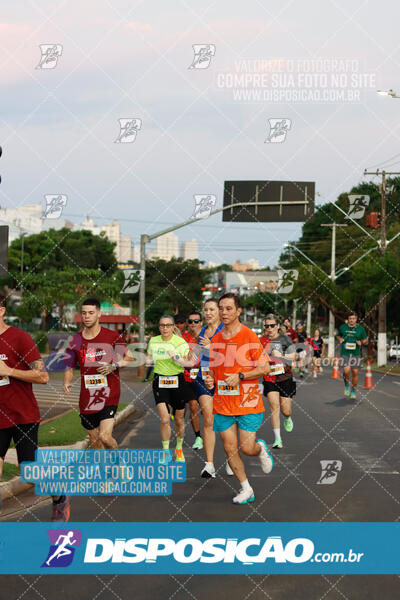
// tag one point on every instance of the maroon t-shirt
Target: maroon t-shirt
(97, 391)
(17, 402)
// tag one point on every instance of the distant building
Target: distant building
(123, 248)
(190, 250)
(252, 264)
(250, 282)
(28, 219)
(167, 246)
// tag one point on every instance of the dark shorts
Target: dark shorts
(317, 353)
(175, 397)
(201, 389)
(351, 361)
(25, 440)
(286, 388)
(92, 421)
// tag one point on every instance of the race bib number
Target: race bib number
(277, 369)
(168, 382)
(4, 380)
(193, 373)
(95, 381)
(227, 390)
(350, 345)
(204, 372)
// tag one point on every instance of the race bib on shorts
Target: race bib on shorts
(227, 390)
(276, 369)
(204, 372)
(350, 345)
(95, 381)
(168, 382)
(4, 380)
(193, 373)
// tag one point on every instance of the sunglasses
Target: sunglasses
(190, 321)
(269, 326)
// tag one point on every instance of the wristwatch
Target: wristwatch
(116, 365)
(241, 376)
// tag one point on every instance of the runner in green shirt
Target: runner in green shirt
(169, 385)
(351, 336)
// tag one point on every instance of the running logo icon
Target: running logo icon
(251, 395)
(329, 471)
(357, 206)
(278, 129)
(50, 55)
(203, 205)
(128, 130)
(132, 281)
(54, 205)
(63, 543)
(203, 54)
(286, 281)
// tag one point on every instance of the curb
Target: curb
(15, 486)
(386, 373)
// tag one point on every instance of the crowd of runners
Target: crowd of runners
(207, 365)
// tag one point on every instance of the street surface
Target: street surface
(363, 435)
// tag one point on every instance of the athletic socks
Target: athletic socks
(165, 445)
(179, 443)
(277, 433)
(245, 485)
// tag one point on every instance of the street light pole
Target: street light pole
(145, 239)
(331, 340)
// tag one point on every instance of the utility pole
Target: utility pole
(382, 341)
(331, 342)
(308, 324)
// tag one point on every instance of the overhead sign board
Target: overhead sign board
(269, 201)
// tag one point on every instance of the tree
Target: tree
(60, 268)
(173, 286)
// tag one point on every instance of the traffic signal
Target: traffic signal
(373, 220)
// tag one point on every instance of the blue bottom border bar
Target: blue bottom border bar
(200, 548)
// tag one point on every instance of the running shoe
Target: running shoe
(277, 443)
(228, 469)
(288, 423)
(198, 443)
(165, 456)
(208, 471)
(61, 509)
(265, 458)
(179, 455)
(315, 375)
(353, 394)
(301, 374)
(346, 389)
(244, 496)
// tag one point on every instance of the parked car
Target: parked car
(394, 352)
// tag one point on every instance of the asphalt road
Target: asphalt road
(362, 435)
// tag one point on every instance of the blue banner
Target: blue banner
(200, 548)
(128, 472)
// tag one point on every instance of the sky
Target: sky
(130, 60)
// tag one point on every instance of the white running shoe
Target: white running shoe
(315, 375)
(208, 471)
(228, 469)
(244, 496)
(265, 458)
